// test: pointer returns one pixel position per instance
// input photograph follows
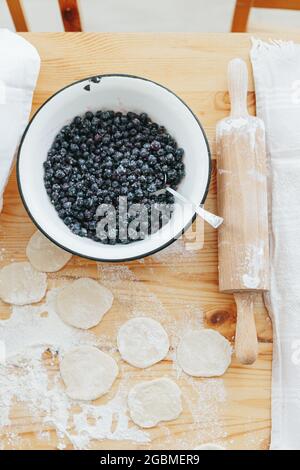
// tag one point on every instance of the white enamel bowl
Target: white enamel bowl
(120, 93)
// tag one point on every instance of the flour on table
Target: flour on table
(204, 353)
(154, 401)
(178, 251)
(142, 342)
(31, 329)
(209, 446)
(207, 404)
(87, 372)
(21, 284)
(27, 380)
(44, 255)
(34, 384)
(83, 303)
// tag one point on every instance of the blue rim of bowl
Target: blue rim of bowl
(132, 258)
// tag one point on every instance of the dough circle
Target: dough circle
(21, 284)
(87, 372)
(154, 401)
(209, 446)
(204, 353)
(83, 303)
(142, 342)
(44, 255)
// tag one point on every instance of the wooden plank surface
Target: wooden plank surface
(181, 281)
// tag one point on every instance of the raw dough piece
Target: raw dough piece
(83, 303)
(154, 401)
(21, 284)
(44, 255)
(209, 446)
(204, 353)
(142, 342)
(88, 373)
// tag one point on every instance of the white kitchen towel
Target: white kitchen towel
(19, 69)
(276, 68)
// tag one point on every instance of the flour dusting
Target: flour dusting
(34, 336)
(28, 379)
(253, 265)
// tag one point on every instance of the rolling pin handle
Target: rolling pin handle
(238, 87)
(246, 346)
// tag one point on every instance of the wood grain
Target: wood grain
(194, 66)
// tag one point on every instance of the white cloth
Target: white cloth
(19, 69)
(276, 68)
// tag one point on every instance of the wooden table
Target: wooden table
(194, 66)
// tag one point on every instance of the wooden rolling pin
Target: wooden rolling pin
(242, 202)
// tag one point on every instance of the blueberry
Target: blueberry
(107, 173)
(125, 162)
(56, 187)
(144, 118)
(74, 147)
(131, 178)
(67, 206)
(170, 158)
(68, 220)
(54, 196)
(101, 156)
(79, 202)
(152, 160)
(152, 188)
(95, 188)
(105, 115)
(179, 153)
(89, 115)
(138, 193)
(145, 168)
(144, 153)
(133, 132)
(155, 145)
(49, 173)
(83, 232)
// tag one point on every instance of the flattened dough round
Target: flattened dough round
(154, 401)
(83, 303)
(204, 353)
(21, 284)
(209, 446)
(142, 342)
(88, 373)
(44, 255)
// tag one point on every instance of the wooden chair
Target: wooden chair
(68, 8)
(243, 7)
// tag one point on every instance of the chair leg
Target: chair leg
(241, 15)
(17, 14)
(70, 15)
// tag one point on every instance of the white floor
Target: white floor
(152, 15)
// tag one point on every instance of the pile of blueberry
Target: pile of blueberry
(100, 157)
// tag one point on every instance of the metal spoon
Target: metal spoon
(214, 220)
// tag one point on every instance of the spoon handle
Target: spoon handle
(214, 220)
